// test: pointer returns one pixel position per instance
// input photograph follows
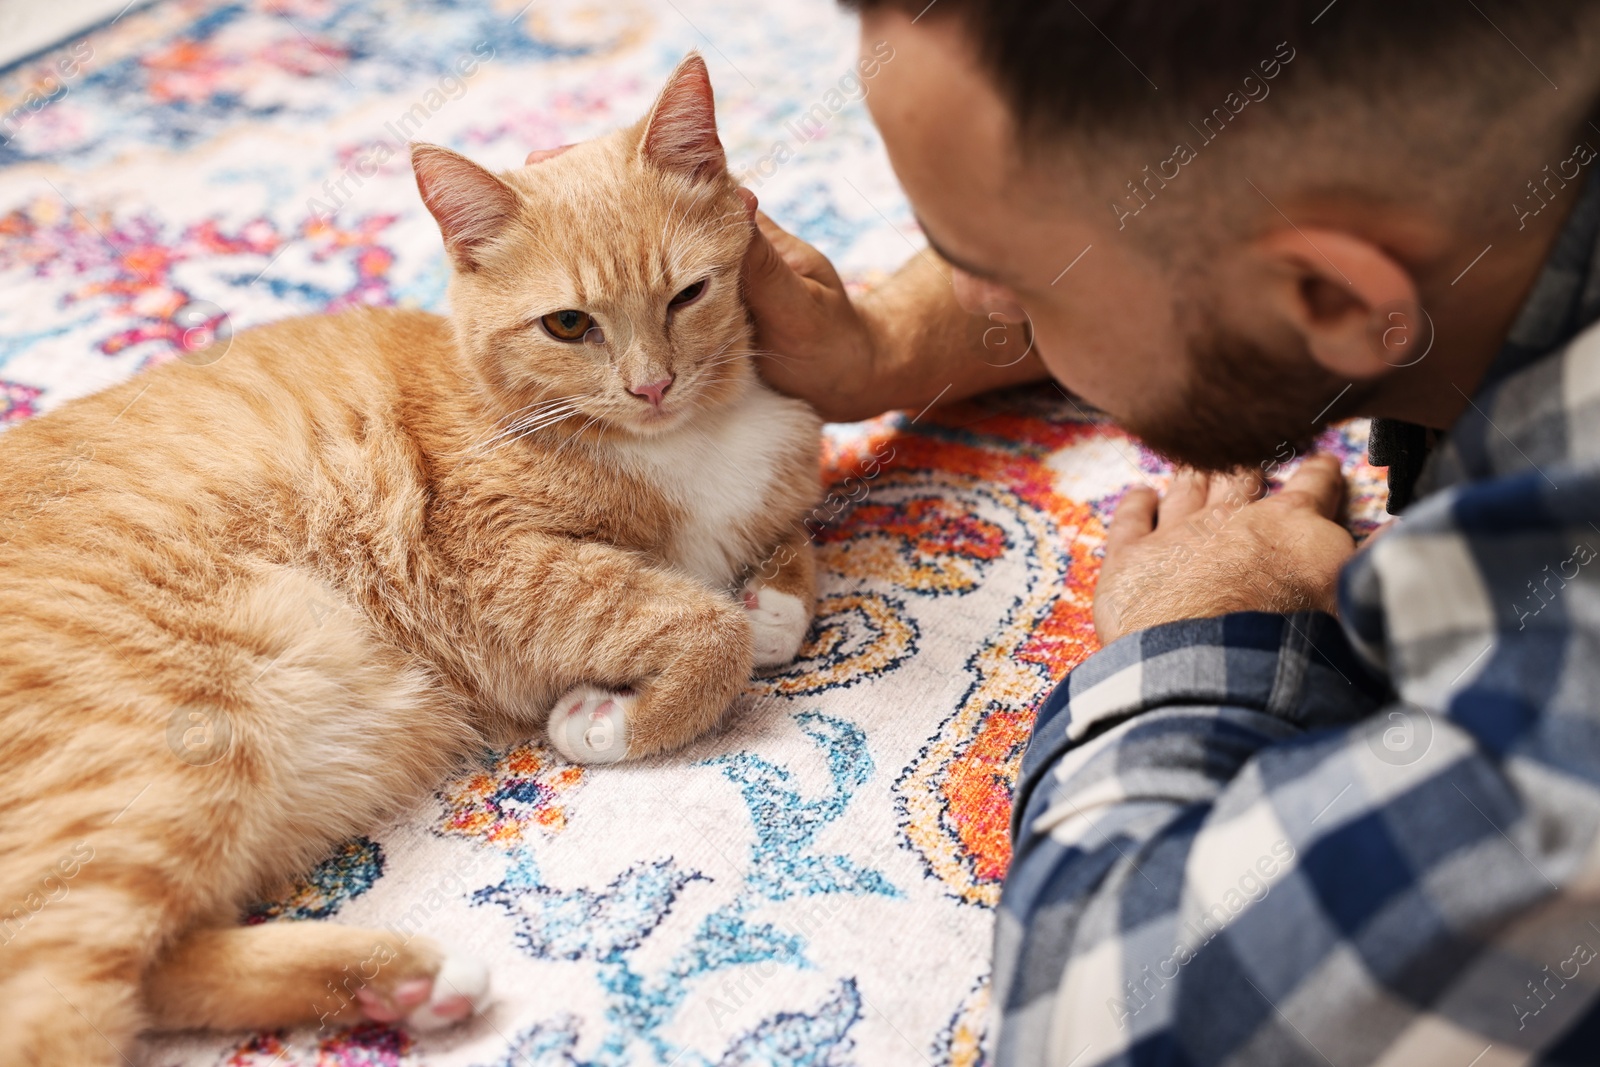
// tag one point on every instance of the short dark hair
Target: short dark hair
(1099, 64)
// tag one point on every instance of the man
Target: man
(1250, 831)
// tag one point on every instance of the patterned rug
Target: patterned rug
(814, 886)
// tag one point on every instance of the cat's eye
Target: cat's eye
(689, 295)
(568, 325)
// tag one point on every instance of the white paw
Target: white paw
(778, 624)
(457, 990)
(460, 989)
(590, 725)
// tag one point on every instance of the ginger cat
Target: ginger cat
(251, 609)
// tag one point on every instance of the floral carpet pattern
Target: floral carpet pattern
(815, 885)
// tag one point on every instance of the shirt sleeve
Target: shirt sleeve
(1263, 839)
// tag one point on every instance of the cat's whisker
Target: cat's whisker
(544, 424)
(517, 429)
(715, 363)
(541, 403)
(518, 411)
(724, 355)
(510, 431)
(762, 353)
(531, 412)
(525, 427)
(538, 416)
(512, 419)
(549, 423)
(530, 431)
(550, 402)
(720, 352)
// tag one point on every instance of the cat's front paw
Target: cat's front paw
(778, 624)
(590, 725)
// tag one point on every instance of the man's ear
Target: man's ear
(470, 205)
(680, 133)
(1356, 307)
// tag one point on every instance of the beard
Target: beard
(1244, 403)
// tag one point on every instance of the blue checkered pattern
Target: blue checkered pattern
(1279, 840)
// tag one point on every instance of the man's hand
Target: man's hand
(1216, 546)
(816, 344)
(905, 344)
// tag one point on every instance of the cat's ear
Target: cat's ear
(471, 205)
(681, 133)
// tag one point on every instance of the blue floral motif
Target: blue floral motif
(820, 1038)
(607, 925)
(782, 862)
(585, 924)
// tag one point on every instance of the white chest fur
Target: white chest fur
(718, 471)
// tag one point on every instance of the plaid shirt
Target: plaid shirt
(1275, 840)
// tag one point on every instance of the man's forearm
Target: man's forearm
(927, 347)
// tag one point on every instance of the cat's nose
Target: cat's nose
(652, 392)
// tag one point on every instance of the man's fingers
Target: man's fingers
(1135, 517)
(751, 201)
(761, 258)
(1230, 490)
(1320, 483)
(1185, 496)
(769, 279)
(801, 257)
(539, 155)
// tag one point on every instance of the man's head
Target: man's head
(1230, 223)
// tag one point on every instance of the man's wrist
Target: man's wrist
(921, 347)
(910, 364)
(872, 380)
(883, 377)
